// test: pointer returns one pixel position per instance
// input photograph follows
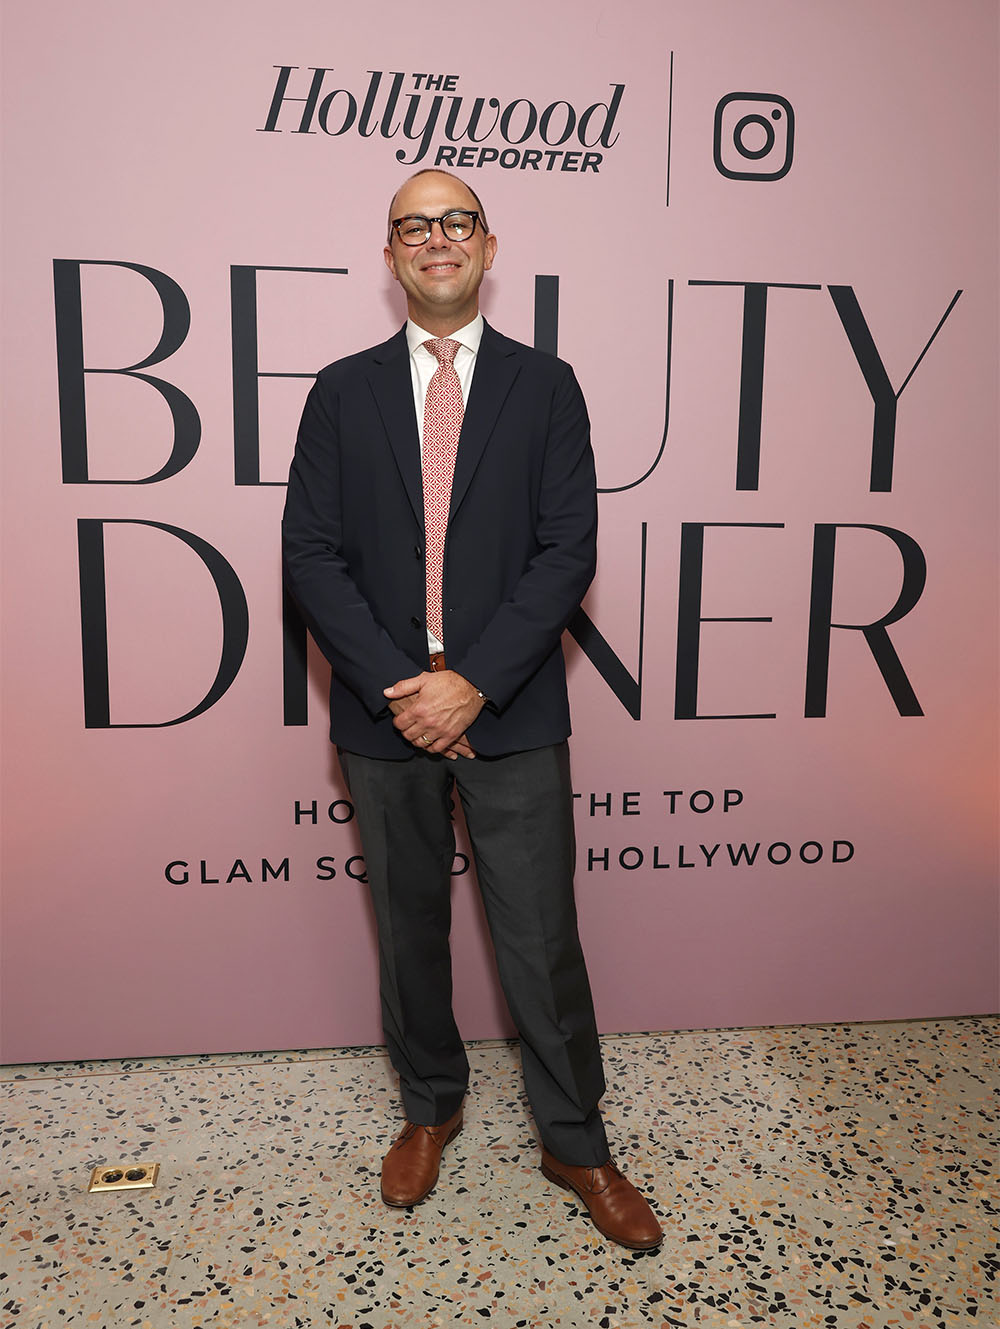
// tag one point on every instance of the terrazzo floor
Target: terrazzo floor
(836, 1176)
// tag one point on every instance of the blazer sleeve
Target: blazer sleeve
(528, 625)
(358, 648)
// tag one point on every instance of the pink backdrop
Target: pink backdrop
(139, 135)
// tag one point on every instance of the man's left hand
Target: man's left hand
(444, 705)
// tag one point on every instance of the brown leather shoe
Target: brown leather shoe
(410, 1168)
(616, 1207)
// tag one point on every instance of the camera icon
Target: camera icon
(754, 134)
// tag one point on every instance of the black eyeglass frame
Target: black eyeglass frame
(397, 222)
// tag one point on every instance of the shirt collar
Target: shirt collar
(470, 336)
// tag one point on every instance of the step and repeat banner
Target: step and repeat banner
(765, 237)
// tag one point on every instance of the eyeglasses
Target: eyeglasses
(456, 225)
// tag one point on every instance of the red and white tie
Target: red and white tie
(443, 412)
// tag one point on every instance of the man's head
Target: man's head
(441, 277)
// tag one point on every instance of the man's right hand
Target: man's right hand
(461, 746)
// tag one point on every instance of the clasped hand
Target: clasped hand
(433, 711)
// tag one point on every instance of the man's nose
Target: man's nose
(437, 237)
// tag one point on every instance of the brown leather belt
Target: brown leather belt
(437, 662)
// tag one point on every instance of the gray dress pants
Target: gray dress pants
(519, 812)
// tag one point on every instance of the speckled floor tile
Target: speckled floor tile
(835, 1177)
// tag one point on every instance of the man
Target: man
(439, 532)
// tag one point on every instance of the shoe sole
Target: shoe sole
(408, 1204)
(568, 1186)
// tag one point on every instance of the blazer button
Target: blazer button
(415, 623)
(418, 553)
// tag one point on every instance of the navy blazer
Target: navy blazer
(520, 550)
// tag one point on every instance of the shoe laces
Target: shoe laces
(607, 1171)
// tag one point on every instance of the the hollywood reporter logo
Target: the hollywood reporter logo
(754, 136)
(441, 126)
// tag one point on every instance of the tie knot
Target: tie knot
(443, 350)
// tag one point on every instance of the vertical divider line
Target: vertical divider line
(670, 120)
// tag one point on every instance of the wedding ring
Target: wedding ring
(424, 739)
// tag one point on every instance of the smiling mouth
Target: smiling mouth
(441, 267)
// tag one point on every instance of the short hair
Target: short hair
(436, 170)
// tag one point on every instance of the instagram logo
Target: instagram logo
(753, 136)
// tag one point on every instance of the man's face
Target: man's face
(441, 277)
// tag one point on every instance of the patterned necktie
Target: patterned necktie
(443, 412)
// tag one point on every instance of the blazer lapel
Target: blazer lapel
(392, 387)
(496, 368)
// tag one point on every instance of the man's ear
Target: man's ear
(390, 262)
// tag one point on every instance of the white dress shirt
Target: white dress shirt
(422, 367)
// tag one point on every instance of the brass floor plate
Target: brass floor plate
(124, 1177)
